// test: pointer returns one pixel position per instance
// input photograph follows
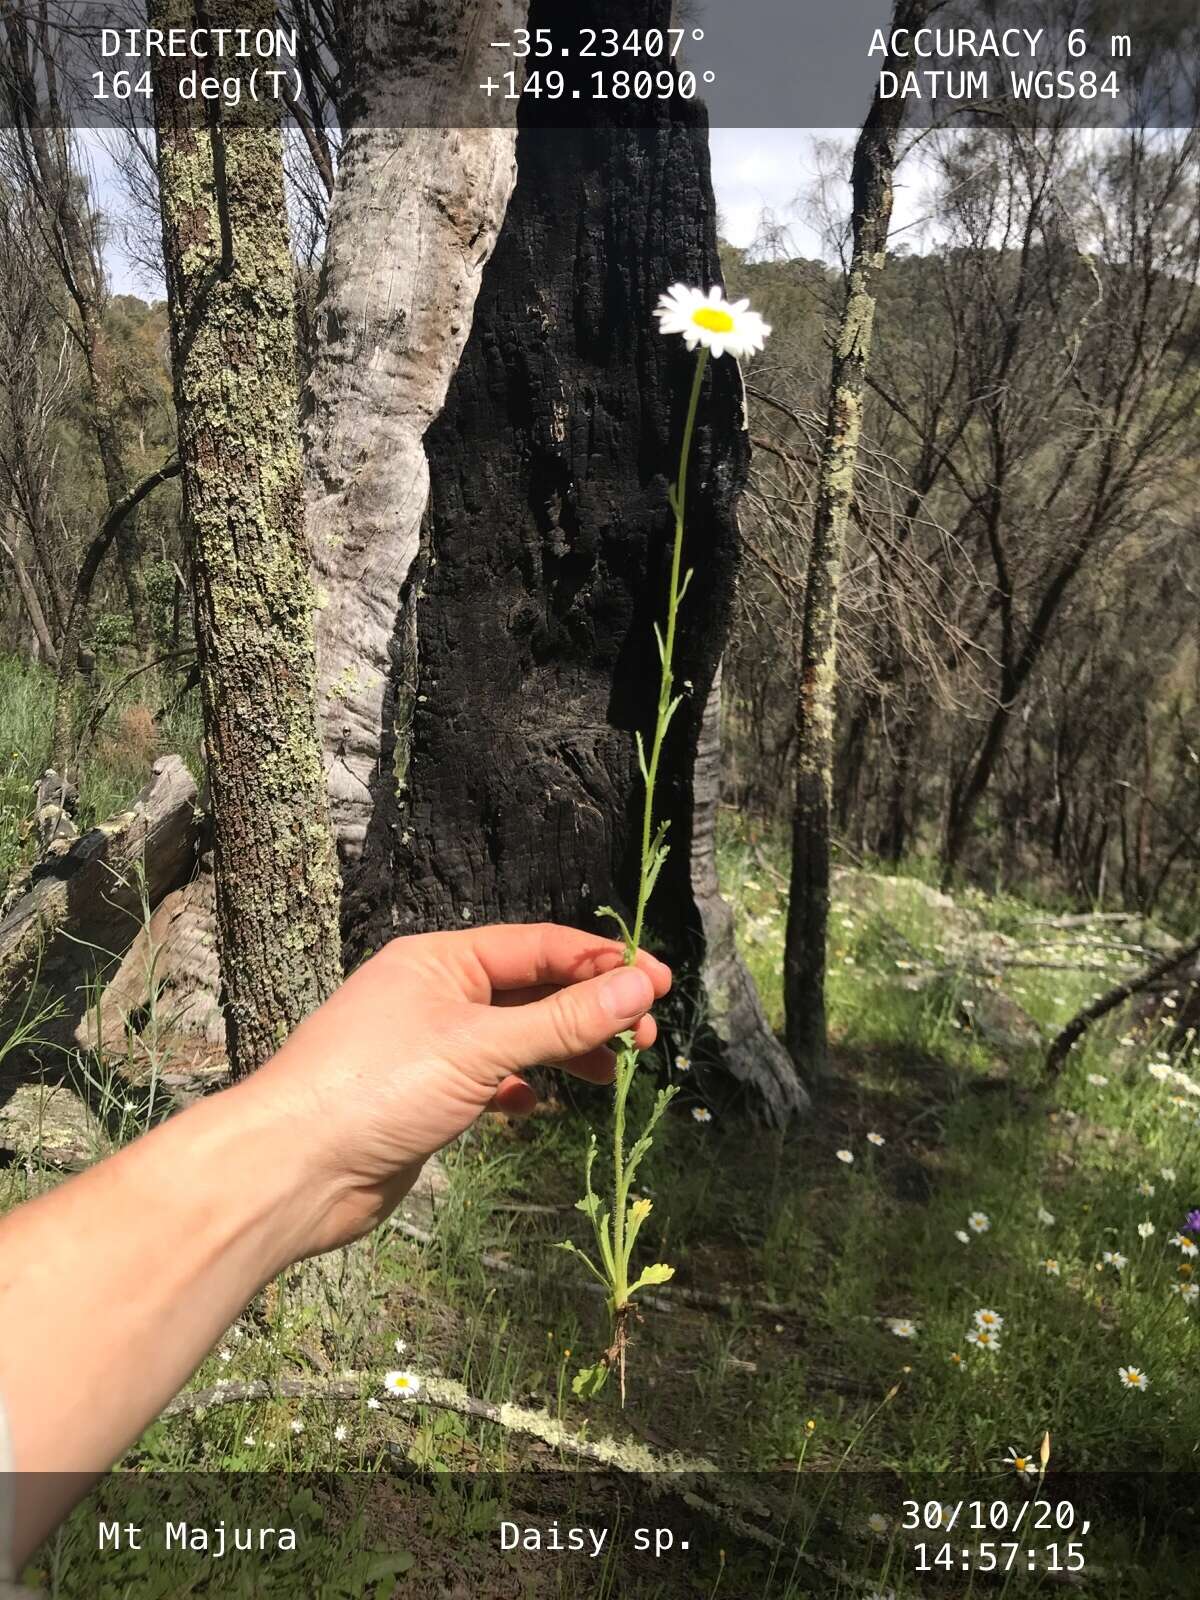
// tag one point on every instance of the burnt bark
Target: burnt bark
(527, 653)
(808, 904)
(230, 298)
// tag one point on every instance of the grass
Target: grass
(117, 757)
(796, 1385)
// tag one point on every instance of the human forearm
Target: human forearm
(185, 1226)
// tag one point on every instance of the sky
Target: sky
(754, 170)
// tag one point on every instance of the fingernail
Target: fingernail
(627, 993)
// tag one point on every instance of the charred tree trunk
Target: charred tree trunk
(531, 616)
(418, 205)
(808, 906)
(229, 283)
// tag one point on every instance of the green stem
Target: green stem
(666, 682)
(628, 1058)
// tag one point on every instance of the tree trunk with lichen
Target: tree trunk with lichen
(527, 659)
(230, 297)
(808, 904)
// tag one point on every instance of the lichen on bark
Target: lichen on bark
(230, 294)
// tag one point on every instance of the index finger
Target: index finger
(520, 955)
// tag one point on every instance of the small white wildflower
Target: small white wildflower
(877, 1523)
(979, 1222)
(1189, 1291)
(902, 1327)
(682, 1064)
(989, 1319)
(341, 1433)
(297, 1426)
(845, 1156)
(1046, 1218)
(701, 1114)
(876, 1139)
(711, 321)
(249, 1441)
(401, 1346)
(373, 1404)
(1167, 1174)
(1145, 1229)
(1184, 1242)
(984, 1338)
(1050, 1267)
(1133, 1377)
(224, 1355)
(962, 1236)
(1025, 1466)
(1114, 1258)
(1097, 1080)
(1146, 1190)
(404, 1385)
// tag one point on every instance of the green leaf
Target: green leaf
(683, 587)
(645, 1138)
(385, 1565)
(662, 644)
(641, 754)
(658, 1273)
(588, 1381)
(574, 1250)
(615, 916)
(655, 867)
(673, 497)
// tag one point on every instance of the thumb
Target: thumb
(568, 1023)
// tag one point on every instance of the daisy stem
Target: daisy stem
(627, 1059)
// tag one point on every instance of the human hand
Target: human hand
(427, 1034)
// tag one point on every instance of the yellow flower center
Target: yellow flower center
(1135, 1378)
(715, 321)
(1020, 1462)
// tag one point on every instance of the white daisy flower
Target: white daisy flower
(979, 1222)
(1025, 1465)
(297, 1426)
(402, 1384)
(711, 320)
(1146, 1190)
(1046, 1218)
(341, 1433)
(962, 1236)
(902, 1327)
(701, 1114)
(989, 1319)
(682, 1064)
(1189, 1291)
(1145, 1229)
(1184, 1242)
(984, 1338)
(1133, 1377)
(877, 1523)
(1114, 1258)
(1050, 1267)
(876, 1139)
(845, 1156)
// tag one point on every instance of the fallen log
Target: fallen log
(77, 911)
(1114, 997)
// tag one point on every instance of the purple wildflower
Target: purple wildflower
(1192, 1224)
